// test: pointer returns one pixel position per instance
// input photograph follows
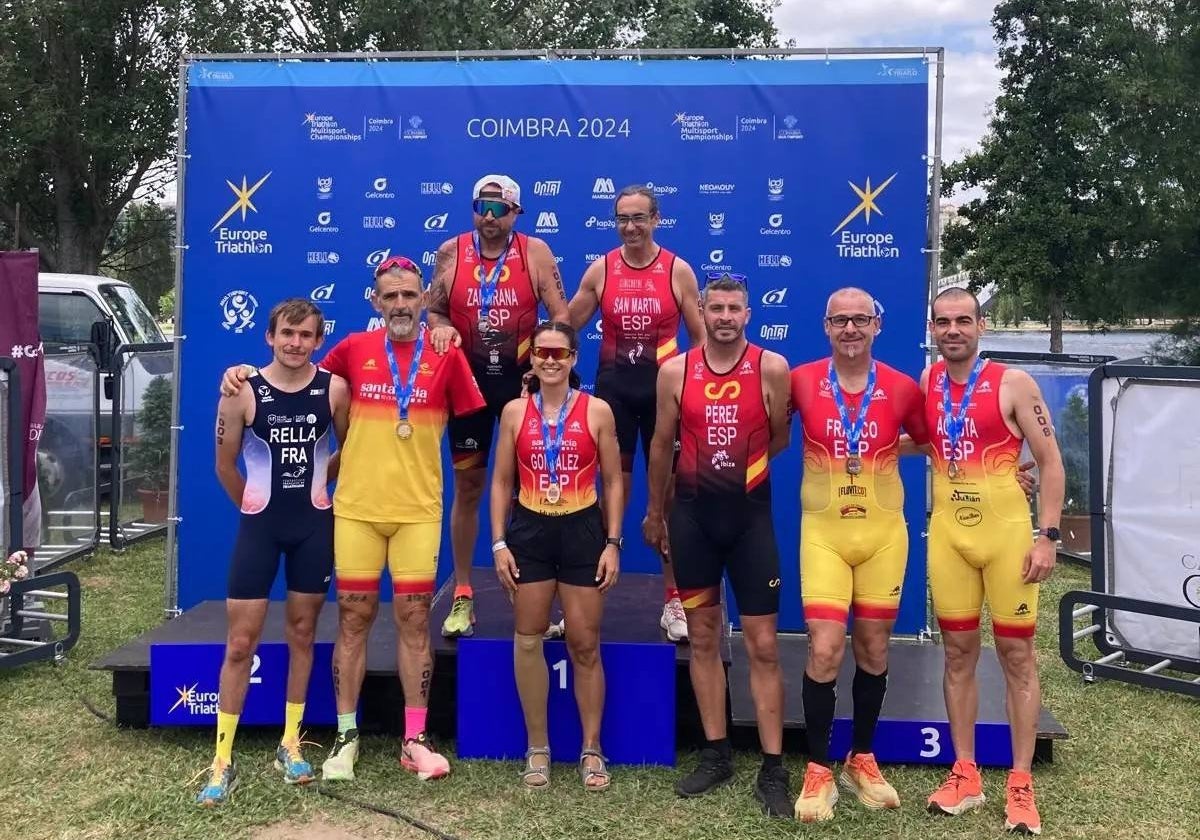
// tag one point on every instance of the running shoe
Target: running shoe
(961, 792)
(221, 782)
(556, 630)
(339, 766)
(818, 796)
(419, 756)
(461, 621)
(674, 621)
(713, 771)
(289, 760)
(861, 775)
(771, 790)
(1020, 811)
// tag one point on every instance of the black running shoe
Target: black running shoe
(713, 771)
(772, 791)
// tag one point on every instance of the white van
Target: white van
(75, 311)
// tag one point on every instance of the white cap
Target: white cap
(510, 190)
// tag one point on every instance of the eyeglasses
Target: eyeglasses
(558, 354)
(725, 275)
(402, 263)
(638, 219)
(840, 321)
(495, 206)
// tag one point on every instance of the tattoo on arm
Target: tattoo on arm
(220, 430)
(439, 297)
(1040, 415)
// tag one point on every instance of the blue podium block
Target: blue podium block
(925, 742)
(639, 705)
(184, 678)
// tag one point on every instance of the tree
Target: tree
(140, 250)
(1049, 228)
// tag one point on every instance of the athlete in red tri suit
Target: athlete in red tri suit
(484, 296)
(728, 400)
(853, 539)
(981, 543)
(557, 541)
(642, 291)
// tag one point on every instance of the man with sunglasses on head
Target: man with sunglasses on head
(388, 502)
(642, 291)
(853, 539)
(484, 297)
(728, 399)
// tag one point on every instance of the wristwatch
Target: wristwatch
(1052, 534)
(619, 542)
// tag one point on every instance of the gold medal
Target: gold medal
(553, 493)
(404, 430)
(854, 465)
(483, 326)
(952, 469)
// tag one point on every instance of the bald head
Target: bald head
(850, 296)
(958, 295)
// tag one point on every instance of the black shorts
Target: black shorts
(565, 548)
(305, 541)
(631, 395)
(471, 436)
(709, 539)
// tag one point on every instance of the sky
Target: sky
(963, 27)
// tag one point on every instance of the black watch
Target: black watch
(1052, 534)
(619, 542)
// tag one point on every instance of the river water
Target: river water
(1123, 345)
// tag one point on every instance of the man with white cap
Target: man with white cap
(485, 293)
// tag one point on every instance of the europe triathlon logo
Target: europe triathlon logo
(195, 702)
(241, 240)
(878, 245)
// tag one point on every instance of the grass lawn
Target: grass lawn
(1130, 769)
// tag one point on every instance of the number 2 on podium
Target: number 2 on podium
(561, 667)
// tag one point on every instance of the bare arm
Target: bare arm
(339, 406)
(776, 392)
(587, 300)
(439, 286)
(600, 417)
(546, 279)
(503, 477)
(687, 292)
(231, 420)
(1026, 407)
(662, 445)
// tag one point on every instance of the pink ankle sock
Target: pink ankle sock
(464, 591)
(672, 592)
(414, 721)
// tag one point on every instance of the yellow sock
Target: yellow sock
(226, 729)
(292, 714)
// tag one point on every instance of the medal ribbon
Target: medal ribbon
(956, 422)
(552, 445)
(404, 392)
(489, 283)
(852, 431)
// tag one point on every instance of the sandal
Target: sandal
(588, 774)
(534, 777)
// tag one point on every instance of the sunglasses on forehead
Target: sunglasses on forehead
(725, 275)
(558, 354)
(402, 263)
(495, 206)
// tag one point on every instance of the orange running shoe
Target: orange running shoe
(819, 795)
(862, 776)
(962, 791)
(1020, 811)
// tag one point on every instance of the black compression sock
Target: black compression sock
(869, 690)
(819, 701)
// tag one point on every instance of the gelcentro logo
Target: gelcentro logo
(241, 240)
(237, 310)
(324, 224)
(716, 261)
(379, 189)
(775, 226)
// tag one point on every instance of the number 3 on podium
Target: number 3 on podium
(932, 747)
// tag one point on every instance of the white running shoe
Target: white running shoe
(674, 621)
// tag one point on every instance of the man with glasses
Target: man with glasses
(642, 290)
(484, 297)
(728, 400)
(853, 539)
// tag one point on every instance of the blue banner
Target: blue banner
(804, 175)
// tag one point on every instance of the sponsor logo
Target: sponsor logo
(237, 310)
(726, 390)
(218, 75)
(852, 244)
(774, 261)
(852, 490)
(547, 222)
(323, 258)
(377, 257)
(437, 188)
(324, 187)
(716, 189)
(963, 497)
(696, 127)
(662, 189)
(194, 702)
(370, 364)
(716, 223)
(322, 293)
(599, 224)
(773, 332)
(895, 590)
(470, 443)
(853, 511)
(414, 129)
(436, 222)
(30, 351)
(592, 257)
(330, 326)
(379, 189)
(716, 261)
(1022, 609)
(1191, 590)
(574, 427)
(324, 224)
(375, 323)
(264, 394)
(378, 222)
(968, 517)
(746, 369)
(241, 240)
(547, 189)
(326, 128)
(886, 70)
(985, 387)
(429, 258)
(774, 297)
(722, 461)
(775, 226)
(788, 128)
(774, 583)
(774, 189)
(667, 222)
(603, 188)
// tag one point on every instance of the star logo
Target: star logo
(866, 204)
(679, 117)
(243, 202)
(309, 119)
(185, 696)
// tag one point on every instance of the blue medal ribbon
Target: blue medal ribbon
(404, 392)
(490, 282)
(551, 444)
(955, 423)
(852, 431)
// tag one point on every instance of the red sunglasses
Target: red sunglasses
(402, 263)
(559, 354)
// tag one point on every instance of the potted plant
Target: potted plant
(150, 452)
(1075, 444)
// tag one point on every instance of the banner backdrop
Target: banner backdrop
(300, 176)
